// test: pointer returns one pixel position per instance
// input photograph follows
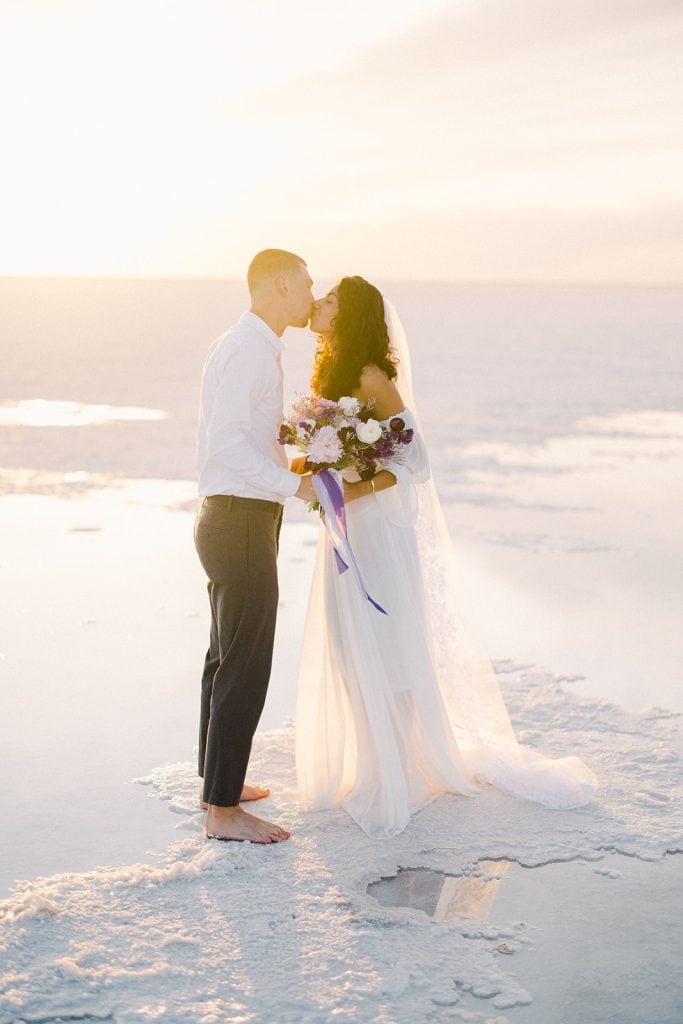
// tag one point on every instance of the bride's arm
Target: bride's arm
(362, 488)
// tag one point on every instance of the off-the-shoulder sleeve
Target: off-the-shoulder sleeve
(412, 466)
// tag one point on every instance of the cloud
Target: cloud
(644, 245)
(499, 103)
(499, 34)
(493, 139)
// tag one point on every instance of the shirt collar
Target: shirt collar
(255, 321)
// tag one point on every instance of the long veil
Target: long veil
(468, 685)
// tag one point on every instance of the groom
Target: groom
(244, 479)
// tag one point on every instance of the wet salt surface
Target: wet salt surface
(607, 939)
(596, 942)
(40, 412)
(570, 551)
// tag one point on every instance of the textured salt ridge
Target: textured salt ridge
(287, 932)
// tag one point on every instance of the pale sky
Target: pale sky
(470, 140)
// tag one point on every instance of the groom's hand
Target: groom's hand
(305, 490)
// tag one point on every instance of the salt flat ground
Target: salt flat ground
(117, 908)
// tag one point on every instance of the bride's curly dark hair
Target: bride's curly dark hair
(361, 339)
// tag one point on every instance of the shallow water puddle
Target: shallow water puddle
(39, 412)
(442, 896)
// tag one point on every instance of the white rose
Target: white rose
(349, 406)
(369, 432)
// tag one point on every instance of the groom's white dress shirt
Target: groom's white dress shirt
(240, 413)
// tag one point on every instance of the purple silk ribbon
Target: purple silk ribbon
(329, 492)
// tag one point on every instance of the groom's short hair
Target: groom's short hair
(268, 263)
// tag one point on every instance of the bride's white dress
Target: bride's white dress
(387, 715)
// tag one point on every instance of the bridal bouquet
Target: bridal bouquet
(343, 436)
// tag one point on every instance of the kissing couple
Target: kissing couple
(396, 706)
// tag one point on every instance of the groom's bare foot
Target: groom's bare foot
(235, 823)
(248, 793)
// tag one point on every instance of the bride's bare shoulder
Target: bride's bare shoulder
(374, 385)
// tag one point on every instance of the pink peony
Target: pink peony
(325, 446)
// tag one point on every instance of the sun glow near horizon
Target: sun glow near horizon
(491, 141)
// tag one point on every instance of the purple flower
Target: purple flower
(407, 436)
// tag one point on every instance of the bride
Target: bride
(394, 710)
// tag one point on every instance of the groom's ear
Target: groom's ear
(281, 286)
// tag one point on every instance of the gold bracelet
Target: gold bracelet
(372, 484)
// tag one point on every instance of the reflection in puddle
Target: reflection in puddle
(604, 933)
(441, 896)
(38, 412)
